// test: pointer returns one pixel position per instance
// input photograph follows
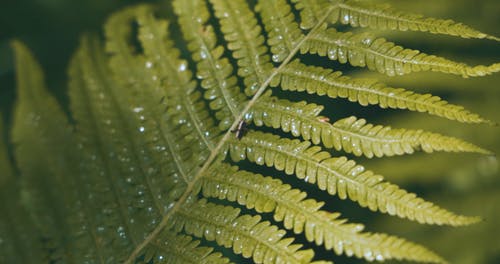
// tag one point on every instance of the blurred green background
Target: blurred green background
(464, 183)
(51, 29)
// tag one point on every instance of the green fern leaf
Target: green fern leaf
(165, 58)
(246, 235)
(41, 127)
(350, 134)
(299, 77)
(182, 249)
(17, 231)
(265, 194)
(152, 105)
(284, 32)
(378, 54)
(359, 14)
(340, 176)
(244, 38)
(310, 11)
(213, 69)
(111, 161)
(158, 119)
(401, 140)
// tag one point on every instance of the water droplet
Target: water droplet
(248, 116)
(203, 54)
(121, 231)
(369, 255)
(182, 66)
(276, 57)
(367, 41)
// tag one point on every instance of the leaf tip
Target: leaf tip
(490, 37)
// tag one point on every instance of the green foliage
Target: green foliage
(339, 176)
(383, 56)
(152, 164)
(316, 80)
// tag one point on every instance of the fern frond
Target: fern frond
(213, 69)
(244, 234)
(417, 139)
(116, 174)
(50, 196)
(359, 14)
(245, 40)
(283, 32)
(36, 109)
(17, 231)
(339, 176)
(310, 11)
(182, 98)
(364, 49)
(297, 76)
(180, 249)
(171, 142)
(350, 134)
(152, 115)
(290, 206)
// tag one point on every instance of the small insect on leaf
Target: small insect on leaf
(323, 119)
(241, 129)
